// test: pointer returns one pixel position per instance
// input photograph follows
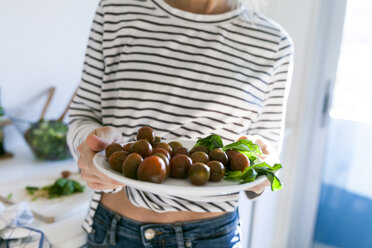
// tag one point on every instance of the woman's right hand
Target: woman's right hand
(97, 141)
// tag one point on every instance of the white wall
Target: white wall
(277, 219)
(42, 44)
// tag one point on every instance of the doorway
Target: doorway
(344, 212)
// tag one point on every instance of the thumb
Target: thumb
(100, 138)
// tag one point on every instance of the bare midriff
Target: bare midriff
(119, 203)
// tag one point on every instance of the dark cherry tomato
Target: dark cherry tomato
(181, 150)
(158, 139)
(165, 159)
(201, 157)
(218, 155)
(161, 150)
(131, 164)
(175, 144)
(199, 149)
(146, 133)
(179, 166)
(239, 162)
(164, 146)
(231, 153)
(126, 147)
(199, 173)
(110, 149)
(152, 169)
(217, 170)
(116, 160)
(142, 147)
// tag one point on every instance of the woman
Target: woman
(188, 69)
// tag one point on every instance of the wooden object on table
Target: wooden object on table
(46, 106)
(67, 107)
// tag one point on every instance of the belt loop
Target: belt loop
(179, 235)
(112, 232)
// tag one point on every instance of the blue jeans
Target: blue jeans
(113, 230)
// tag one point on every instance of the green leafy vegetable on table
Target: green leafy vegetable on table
(61, 187)
(10, 195)
(253, 152)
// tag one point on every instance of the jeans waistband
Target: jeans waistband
(214, 220)
(150, 233)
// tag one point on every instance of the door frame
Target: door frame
(311, 133)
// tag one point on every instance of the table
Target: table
(62, 233)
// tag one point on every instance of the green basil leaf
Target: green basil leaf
(211, 142)
(247, 147)
(276, 185)
(266, 166)
(243, 145)
(262, 164)
(249, 176)
(233, 174)
(251, 156)
(277, 167)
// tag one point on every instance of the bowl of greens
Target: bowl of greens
(47, 140)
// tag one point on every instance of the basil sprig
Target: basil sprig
(61, 187)
(64, 187)
(211, 142)
(252, 172)
(253, 152)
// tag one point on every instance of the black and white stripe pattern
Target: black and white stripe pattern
(185, 75)
(169, 203)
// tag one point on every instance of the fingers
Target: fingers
(266, 183)
(258, 189)
(95, 143)
(262, 144)
(86, 156)
(96, 182)
(89, 173)
(99, 186)
(102, 177)
(100, 138)
(110, 134)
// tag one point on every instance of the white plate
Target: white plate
(172, 186)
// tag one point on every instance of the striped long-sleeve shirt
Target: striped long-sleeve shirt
(187, 76)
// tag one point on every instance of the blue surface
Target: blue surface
(344, 219)
(345, 206)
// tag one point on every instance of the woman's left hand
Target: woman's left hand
(267, 151)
